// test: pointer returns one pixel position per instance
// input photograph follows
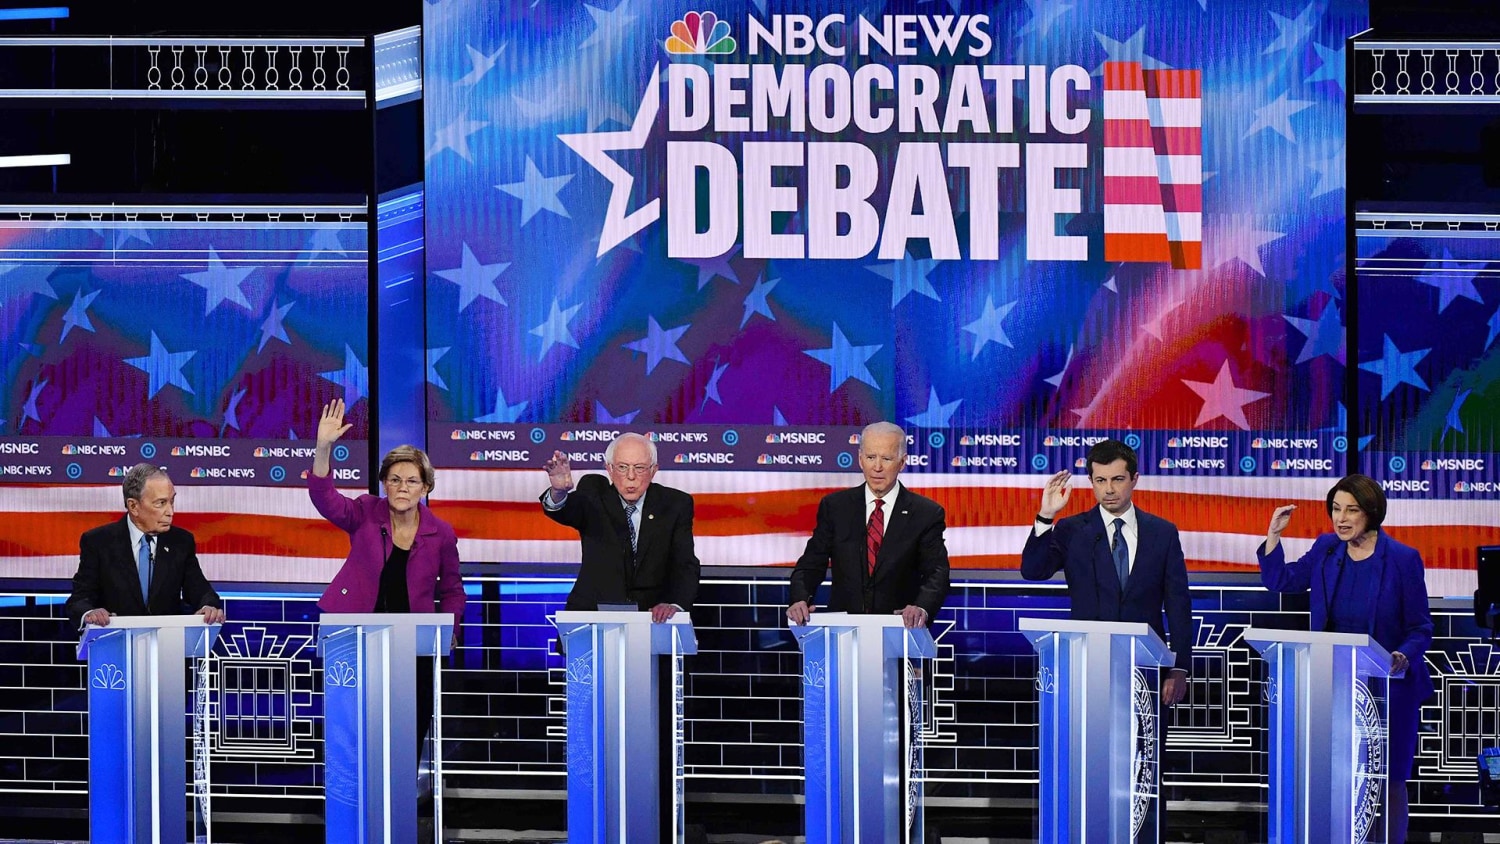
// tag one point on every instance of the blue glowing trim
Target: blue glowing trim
(40, 13)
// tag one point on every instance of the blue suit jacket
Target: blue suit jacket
(1399, 617)
(1078, 546)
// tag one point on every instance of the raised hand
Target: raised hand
(559, 471)
(331, 424)
(1055, 494)
(1279, 521)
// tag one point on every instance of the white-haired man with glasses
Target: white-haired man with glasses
(637, 535)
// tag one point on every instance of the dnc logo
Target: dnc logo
(699, 34)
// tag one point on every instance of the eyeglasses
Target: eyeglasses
(628, 469)
(409, 483)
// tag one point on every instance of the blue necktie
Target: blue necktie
(143, 566)
(630, 526)
(1121, 550)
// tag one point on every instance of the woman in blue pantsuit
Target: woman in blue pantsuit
(1363, 581)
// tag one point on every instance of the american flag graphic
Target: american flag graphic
(1153, 165)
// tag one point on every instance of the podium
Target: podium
(369, 721)
(613, 723)
(859, 748)
(137, 712)
(1099, 716)
(1327, 734)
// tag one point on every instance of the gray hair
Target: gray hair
(136, 477)
(883, 429)
(609, 450)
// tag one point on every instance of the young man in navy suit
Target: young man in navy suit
(1121, 564)
(141, 564)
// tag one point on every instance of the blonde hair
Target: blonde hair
(413, 455)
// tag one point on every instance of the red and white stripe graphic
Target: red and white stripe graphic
(1153, 165)
(744, 518)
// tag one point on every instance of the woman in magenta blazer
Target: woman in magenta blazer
(1363, 581)
(402, 558)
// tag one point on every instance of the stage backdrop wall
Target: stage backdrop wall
(1013, 228)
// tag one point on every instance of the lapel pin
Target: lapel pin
(650, 515)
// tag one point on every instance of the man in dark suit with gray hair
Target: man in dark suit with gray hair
(882, 542)
(141, 564)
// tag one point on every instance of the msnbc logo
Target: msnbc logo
(1278, 464)
(1174, 442)
(854, 439)
(966, 439)
(1080, 463)
(699, 33)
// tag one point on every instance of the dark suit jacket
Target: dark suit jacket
(1399, 616)
(911, 569)
(107, 577)
(665, 569)
(1078, 546)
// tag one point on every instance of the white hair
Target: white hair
(882, 429)
(609, 450)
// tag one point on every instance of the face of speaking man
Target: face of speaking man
(631, 470)
(1113, 484)
(882, 456)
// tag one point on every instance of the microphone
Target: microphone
(384, 536)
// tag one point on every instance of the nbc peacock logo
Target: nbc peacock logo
(701, 33)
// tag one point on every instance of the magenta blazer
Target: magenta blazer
(433, 583)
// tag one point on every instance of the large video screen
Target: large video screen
(199, 338)
(1012, 228)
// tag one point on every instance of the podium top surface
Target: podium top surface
(1266, 636)
(143, 622)
(198, 637)
(846, 619)
(386, 619)
(608, 617)
(1037, 629)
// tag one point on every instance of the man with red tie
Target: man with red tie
(883, 542)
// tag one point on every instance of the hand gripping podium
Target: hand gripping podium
(137, 704)
(1327, 735)
(859, 748)
(370, 721)
(1100, 721)
(613, 722)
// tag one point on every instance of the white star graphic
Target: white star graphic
(659, 344)
(1291, 32)
(1241, 243)
(1153, 326)
(503, 413)
(273, 327)
(1056, 380)
(758, 300)
(354, 378)
(609, 26)
(1325, 335)
(231, 413)
(554, 330)
(29, 409)
(1222, 398)
(77, 315)
(480, 64)
(845, 360)
(908, 275)
(162, 368)
(220, 283)
(1454, 279)
(937, 413)
(1277, 116)
(1043, 14)
(989, 328)
(1132, 49)
(537, 192)
(455, 136)
(474, 279)
(1333, 69)
(711, 392)
(593, 147)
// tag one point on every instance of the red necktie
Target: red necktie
(875, 532)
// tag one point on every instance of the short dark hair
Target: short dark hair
(1106, 452)
(1366, 492)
